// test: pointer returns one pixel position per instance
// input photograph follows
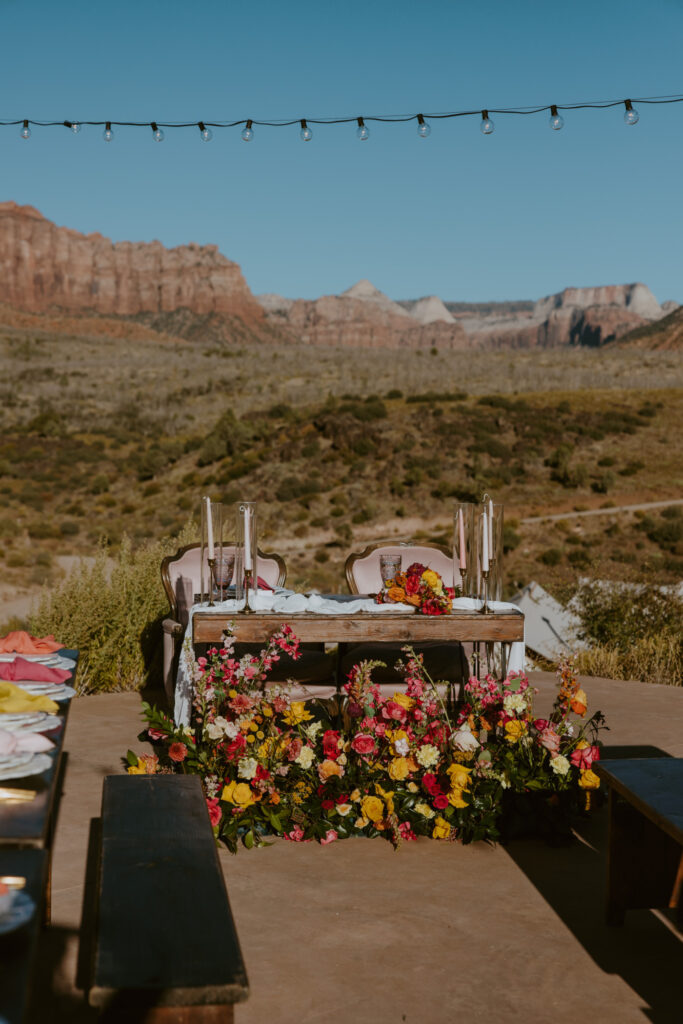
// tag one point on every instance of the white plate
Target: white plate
(56, 691)
(38, 763)
(43, 659)
(36, 721)
(20, 913)
(8, 761)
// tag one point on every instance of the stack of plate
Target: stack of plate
(22, 764)
(51, 660)
(30, 721)
(55, 691)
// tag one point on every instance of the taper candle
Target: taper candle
(461, 540)
(484, 543)
(209, 527)
(247, 539)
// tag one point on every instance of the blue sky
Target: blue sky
(518, 214)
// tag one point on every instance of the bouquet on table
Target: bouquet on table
(420, 586)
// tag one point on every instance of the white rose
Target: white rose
(213, 731)
(425, 810)
(464, 739)
(402, 747)
(344, 809)
(560, 765)
(514, 702)
(306, 757)
(428, 755)
(342, 759)
(246, 768)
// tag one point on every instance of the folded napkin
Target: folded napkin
(23, 643)
(15, 700)
(10, 742)
(20, 668)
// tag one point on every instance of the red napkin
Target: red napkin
(20, 668)
(262, 585)
(23, 643)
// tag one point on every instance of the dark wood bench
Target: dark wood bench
(165, 946)
(645, 847)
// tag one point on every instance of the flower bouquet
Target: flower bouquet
(421, 587)
(398, 767)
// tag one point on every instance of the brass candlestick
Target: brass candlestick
(212, 579)
(484, 609)
(247, 610)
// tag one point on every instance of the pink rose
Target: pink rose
(330, 837)
(331, 744)
(540, 724)
(296, 835)
(549, 739)
(241, 703)
(362, 743)
(583, 759)
(294, 749)
(394, 711)
(155, 734)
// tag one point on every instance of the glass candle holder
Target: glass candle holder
(496, 520)
(212, 520)
(465, 550)
(246, 558)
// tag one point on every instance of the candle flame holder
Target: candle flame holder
(247, 610)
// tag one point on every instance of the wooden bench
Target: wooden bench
(165, 947)
(645, 846)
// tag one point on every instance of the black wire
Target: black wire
(389, 118)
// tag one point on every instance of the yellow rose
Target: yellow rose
(514, 731)
(388, 797)
(589, 780)
(329, 768)
(137, 769)
(425, 810)
(297, 713)
(404, 700)
(412, 787)
(455, 798)
(431, 578)
(343, 809)
(398, 768)
(459, 776)
(441, 830)
(238, 793)
(372, 808)
(355, 795)
(360, 822)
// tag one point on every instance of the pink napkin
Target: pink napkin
(20, 668)
(262, 585)
(23, 643)
(10, 742)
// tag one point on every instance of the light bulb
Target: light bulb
(157, 133)
(487, 125)
(205, 132)
(74, 126)
(362, 131)
(247, 132)
(631, 115)
(423, 129)
(108, 134)
(306, 134)
(556, 120)
(25, 131)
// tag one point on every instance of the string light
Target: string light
(556, 120)
(423, 129)
(631, 116)
(157, 133)
(487, 125)
(246, 126)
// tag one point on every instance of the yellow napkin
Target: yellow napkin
(14, 699)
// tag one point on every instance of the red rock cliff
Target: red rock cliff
(43, 267)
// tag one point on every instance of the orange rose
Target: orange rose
(396, 594)
(329, 768)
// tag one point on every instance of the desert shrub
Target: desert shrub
(99, 484)
(607, 460)
(8, 527)
(631, 468)
(394, 393)
(672, 512)
(653, 659)
(603, 483)
(43, 530)
(579, 558)
(666, 533)
(552, 556)
(112, 617)
(296, 487)
(511, 539)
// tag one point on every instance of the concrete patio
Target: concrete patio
(435, 932)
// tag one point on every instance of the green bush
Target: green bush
(113, 616)
(616, 615)
(553, 556)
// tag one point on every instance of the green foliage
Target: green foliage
(552, 556)
(112, 614)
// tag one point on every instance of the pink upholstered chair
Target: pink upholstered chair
(181, 576)
(443, 661)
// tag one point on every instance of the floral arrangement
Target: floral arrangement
(400, 767)
(420, 586)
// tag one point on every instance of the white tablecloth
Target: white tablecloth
(287, 602)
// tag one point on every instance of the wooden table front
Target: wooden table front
(310, 627)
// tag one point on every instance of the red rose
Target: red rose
(430, 783)
(327, 805)
(412, 584)
(363, 743)
(215, 813)
(342, 799)
(416, 569)
(331, 744)
(541, 724)
(236, 748)
(177, 752)
(440, 802)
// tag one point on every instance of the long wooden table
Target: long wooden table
(312, 627)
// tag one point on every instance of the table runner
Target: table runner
(288, 602)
